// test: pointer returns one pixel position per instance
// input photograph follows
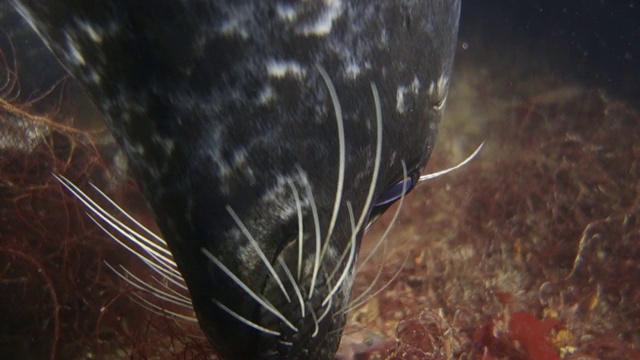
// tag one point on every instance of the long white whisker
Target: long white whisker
(172, 290)
(261, 254)
(245, 321)
(154, 254)
(342, 155)
(126, 214)
(154, 308)
(158, 253)
(347, 249)
(110, 219)
(182, 299)
(316, 222)
(326, 310)
(372, 188)
(446, 171)
(354, 305)
(154, 262)
(296, 196)
(315, 322)
(296, 288)
(142, 285)
(375, 280)
(393, 220)
(153, 290)
(246, 289)
(162, 261)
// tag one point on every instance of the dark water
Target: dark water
(541, 231)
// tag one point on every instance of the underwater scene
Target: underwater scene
(530, 250)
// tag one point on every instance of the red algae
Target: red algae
(532, 334)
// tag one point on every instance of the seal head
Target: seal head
(266, 136)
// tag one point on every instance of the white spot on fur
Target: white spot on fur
(95, 34)
(266, 95)
(406, 95)
(73, 54)
(235, 24)
(437, 92)
(352, 70)
(415, 85)
(401, 107)
(432, 89)
(282, 68)
(443, 84)
(323, 24)
(93, 77)
(286, 12)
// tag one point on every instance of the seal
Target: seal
(266, 136)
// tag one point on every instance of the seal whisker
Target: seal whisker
(247, 290)
(315, 323)
(347, 249)
(354, 305)
(316, 222)
(158, 310)
(375, 279)
(160, 252)
(159, 263)
(152, 252)
(393, 220)
(185, 300)
(144, 286)
(456, 167)
(296, 288)
(259, 251)
(351, 249)
(326, 310)
(321, 317)
(296, 196)
(245, 321)
(173, 291)
(154, 263)
(131, 218)
(103, 214)
(341, 165)
(178, 282)
(369, 199)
